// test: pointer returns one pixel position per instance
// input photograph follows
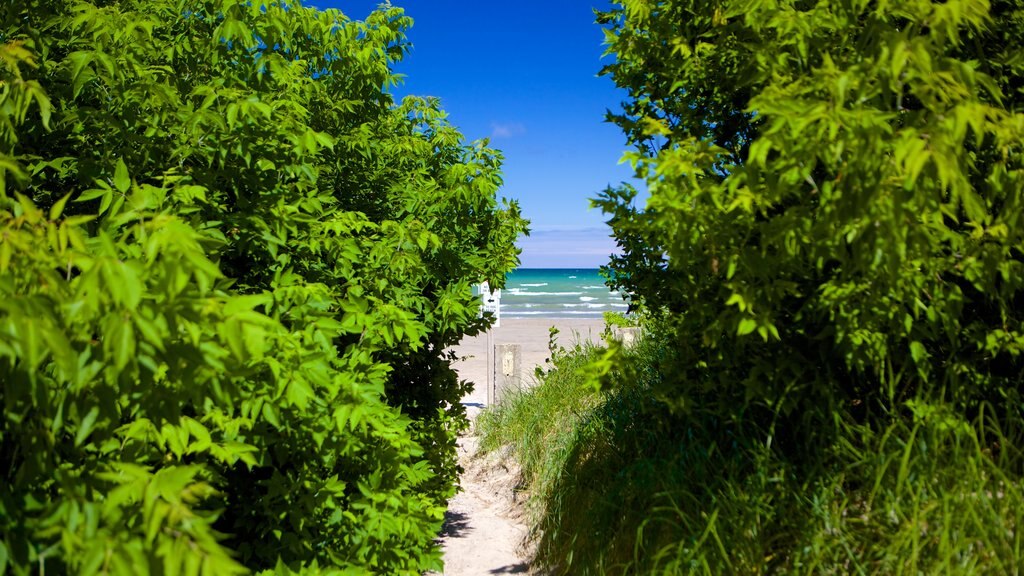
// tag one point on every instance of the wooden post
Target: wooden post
(628, 336)
(507, 371)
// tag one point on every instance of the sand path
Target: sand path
(485, 531)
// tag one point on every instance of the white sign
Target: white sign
(508, 363)
(491, 302)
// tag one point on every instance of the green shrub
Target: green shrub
(229, 267)
(619, 484)
(835, 199)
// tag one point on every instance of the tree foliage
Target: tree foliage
(835, 200)
(230, 265)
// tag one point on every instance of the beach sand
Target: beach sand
(485, 527)
(532, 335)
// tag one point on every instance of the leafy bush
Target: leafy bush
(835, 201)
(619, 484)
(229, 267)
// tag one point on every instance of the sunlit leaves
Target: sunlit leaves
(229, 267)
(841, 179)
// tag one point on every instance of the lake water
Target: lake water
(558, 293)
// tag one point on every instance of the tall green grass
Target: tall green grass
(619, 484)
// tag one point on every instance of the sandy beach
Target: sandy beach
(485, 530)
(532, 335)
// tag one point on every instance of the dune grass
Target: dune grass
(621, 485)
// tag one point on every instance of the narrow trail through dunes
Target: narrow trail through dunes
(485, 529)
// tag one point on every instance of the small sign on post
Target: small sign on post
(508, 372)
(491, 302)
(627, 335)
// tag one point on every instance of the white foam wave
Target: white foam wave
(587, 298)
(534, 285)
(520, 292)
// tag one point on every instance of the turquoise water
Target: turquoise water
(558, 293)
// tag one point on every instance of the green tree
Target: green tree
(230, 264)
(835, 200)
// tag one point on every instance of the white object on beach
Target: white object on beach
(491, 302)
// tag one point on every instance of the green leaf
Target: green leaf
(246, 303)
(299, 393)
(918, 352)
(121, 180)
(746, 326)
(58, 207)
(199, 432)
(33, 88)
(122, 342)
(86, 426)
(270, 415)
(80, 73)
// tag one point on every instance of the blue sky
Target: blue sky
(524, 74)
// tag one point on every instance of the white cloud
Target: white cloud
(507, 129)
